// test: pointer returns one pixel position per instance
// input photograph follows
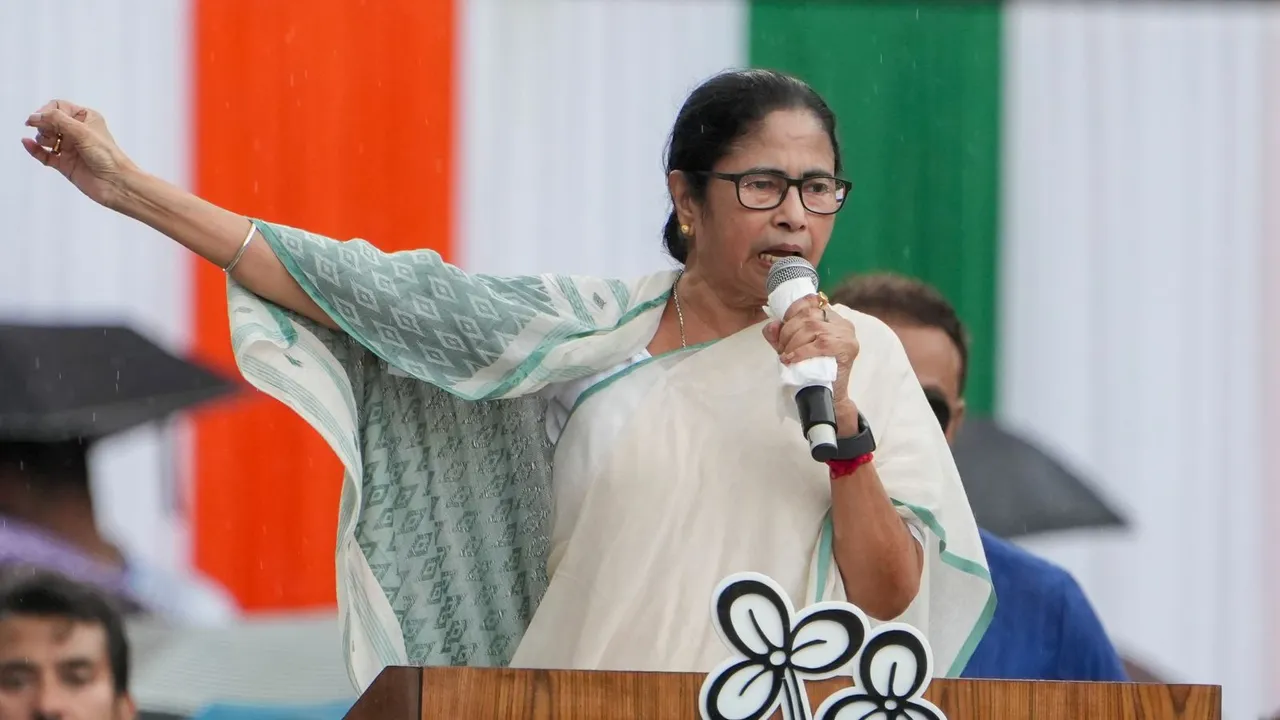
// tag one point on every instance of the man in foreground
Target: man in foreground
(63, 653)
(1044, 628)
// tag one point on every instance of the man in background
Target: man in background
(65, 389)
(1044, 628)
(63, 653)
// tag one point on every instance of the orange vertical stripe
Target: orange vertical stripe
(336, 116)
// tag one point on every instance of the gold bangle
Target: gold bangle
(243, 246)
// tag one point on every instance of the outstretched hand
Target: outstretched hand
(74, 140)
(811, 329)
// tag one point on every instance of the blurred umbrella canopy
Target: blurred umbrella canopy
(83, 383)
(1017, 488)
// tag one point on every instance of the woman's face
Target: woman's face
(733, 246)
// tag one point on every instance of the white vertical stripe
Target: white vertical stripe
(564, 113)
(1131, 329)
(1269, 270)
(62, 258)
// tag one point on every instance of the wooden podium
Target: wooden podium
(401, 693)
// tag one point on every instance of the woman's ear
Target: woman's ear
(686, 206)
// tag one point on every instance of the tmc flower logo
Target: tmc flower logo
(892, 673)
(777, 649)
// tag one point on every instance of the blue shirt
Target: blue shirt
(1044, 627)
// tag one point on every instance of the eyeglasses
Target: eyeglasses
(820, 194)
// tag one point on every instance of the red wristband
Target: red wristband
(845, 468)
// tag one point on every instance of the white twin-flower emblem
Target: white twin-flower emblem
(779, 649)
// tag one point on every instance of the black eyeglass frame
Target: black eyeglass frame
(736, 179)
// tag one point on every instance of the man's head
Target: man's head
(63, 653)
(931, 333)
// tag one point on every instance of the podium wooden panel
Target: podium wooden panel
(402, 693)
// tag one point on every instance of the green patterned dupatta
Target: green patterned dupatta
(429, 398)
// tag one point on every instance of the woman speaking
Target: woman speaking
(554, 471)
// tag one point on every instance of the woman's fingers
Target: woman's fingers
(70, 122)
(804, 304)
(809, 317)
(51, 105)
(71, 109)
(36, 151)
(49, 142)
(771, 333)
(823, 339)
(78, 112)
(819, 345)
(56, 132)
(802, 338)
(55, 122)
(811, 331)
(55, 128)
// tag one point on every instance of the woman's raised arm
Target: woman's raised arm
(75, 141)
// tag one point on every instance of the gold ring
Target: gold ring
(57, 145)
(823, 302)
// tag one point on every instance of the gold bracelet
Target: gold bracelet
(243, 246)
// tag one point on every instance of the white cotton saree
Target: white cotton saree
(691, 466)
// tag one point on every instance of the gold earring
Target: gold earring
(686, 231)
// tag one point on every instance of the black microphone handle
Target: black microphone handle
(816, 404)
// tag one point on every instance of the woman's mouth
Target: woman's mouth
(772, 255)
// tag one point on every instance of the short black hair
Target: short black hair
(47, 462)
(720, 112)
(46, 594)
(890, 296)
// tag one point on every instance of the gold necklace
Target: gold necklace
(675, 295)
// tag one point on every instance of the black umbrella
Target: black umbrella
(61, 383)
(1016, 488)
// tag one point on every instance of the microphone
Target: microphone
(789, 280)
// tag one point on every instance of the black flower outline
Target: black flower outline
(775, 645)
(880, 693)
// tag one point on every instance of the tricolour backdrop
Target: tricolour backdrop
(1088, 182)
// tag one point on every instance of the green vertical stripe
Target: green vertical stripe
(916, 88)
